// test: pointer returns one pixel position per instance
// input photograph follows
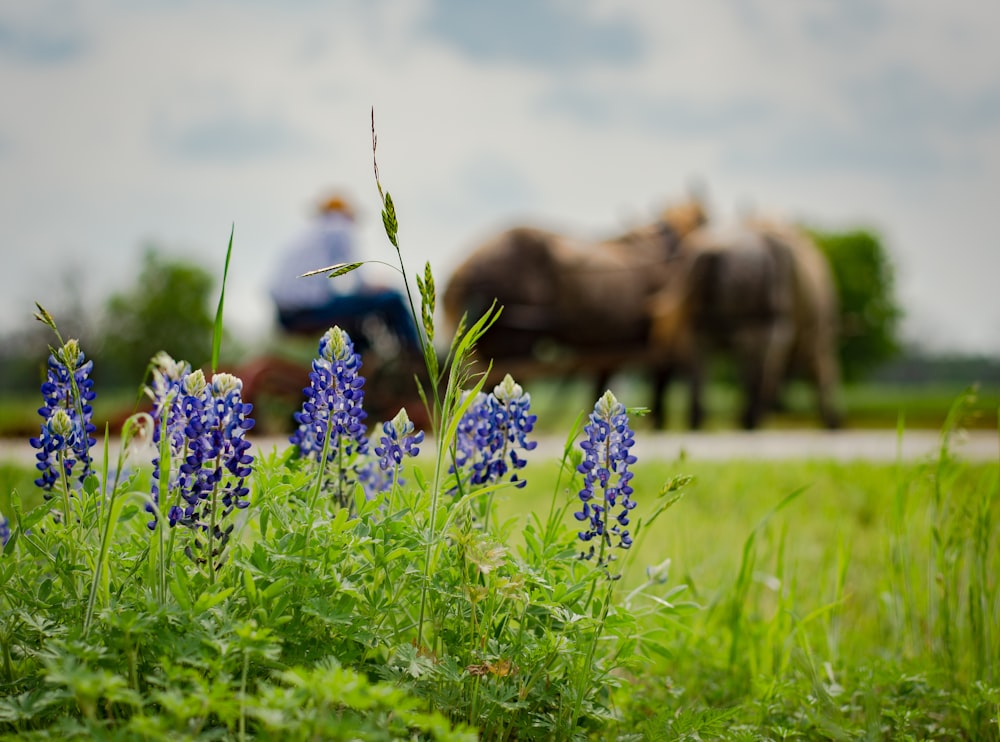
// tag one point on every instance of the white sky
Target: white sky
(125, 123)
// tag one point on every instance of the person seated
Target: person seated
(312, 304)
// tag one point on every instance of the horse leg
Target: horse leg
(696, 412)
(661, 378)
(826, 375)
(602, 381)
(765, 356)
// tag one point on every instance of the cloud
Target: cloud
(899, 97)
(673, 114)
(845, 23)
(43, 34)
(814, 147)
(228, 137)
(894, 122)
(531, 32)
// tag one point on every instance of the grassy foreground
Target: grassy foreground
(824, 600)
(836, 601)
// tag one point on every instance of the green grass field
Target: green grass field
(827, 600)
(835, 600)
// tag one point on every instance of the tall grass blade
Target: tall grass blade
(217, 329)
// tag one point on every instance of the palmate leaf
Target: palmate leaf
(28, 705)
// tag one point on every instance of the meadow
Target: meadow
(366, 583)
(808, 599)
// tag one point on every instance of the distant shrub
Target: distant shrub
(869, 310)
(167, 309)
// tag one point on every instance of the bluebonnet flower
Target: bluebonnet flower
(227, 443)
(4, 532)
(65, 438)
(492, 433)
(205, 425)
(215, 425)
(334, 399)
(399, 438)
(333, 406)
(606, 475)
(166, 391)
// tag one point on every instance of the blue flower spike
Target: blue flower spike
(399, 438)
(332, 417)
(334, 399)
(65, 436)
(493, 432)
(205, 425)
(607, 492)
(212, 479)
(166, 393)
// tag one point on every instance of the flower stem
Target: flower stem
(102, 554)
(65, 487)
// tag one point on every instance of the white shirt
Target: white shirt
(328, 240)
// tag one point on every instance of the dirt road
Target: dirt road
(845, 445)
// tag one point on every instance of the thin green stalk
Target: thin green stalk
(314, 495)
(65, 488)
(428, 548)
(553, 523)
(444, 413)
(106, 529)
(164, 486)
(243, 695)
(584, 679)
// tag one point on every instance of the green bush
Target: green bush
(168, 308)
(869, 310)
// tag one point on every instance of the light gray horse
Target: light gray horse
(761, 291)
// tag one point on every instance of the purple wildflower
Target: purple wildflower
(333, 405)
(4, 531)
(398, 439)
(215, 425)
(165, 392)
(66, 428)
(333, 398)
(606, 475)
(492, 432)
(205, 426)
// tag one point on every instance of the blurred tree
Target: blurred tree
(167, 309)
(869, 310)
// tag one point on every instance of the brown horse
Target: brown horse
(571, 306)
(761, 292)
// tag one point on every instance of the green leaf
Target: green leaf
(209, 600)
(278, 586)
(217, 331)
(180, 588)
(249, 586)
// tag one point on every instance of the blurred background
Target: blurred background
(134, 136)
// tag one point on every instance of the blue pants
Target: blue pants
(349, 312)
